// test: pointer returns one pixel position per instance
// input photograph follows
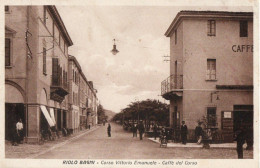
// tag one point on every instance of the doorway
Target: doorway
(14, 112)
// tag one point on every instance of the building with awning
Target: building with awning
(211, 72)
(36, 69)
(47, 116)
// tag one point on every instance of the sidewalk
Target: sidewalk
(194, 145)
(32, 150)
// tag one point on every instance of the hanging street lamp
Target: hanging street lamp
(114, 50)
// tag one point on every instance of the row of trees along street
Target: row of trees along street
(102, 117)
(149, 111)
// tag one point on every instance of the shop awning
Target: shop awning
(47, 116)
(52, 115)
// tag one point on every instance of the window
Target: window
(44, 61)
(56, 34)
(6, 8)
(175, 32)
(55, 71)
(61, 43)
(211, 28)
(243, 28)
(7, 52)
(48, 21)
(44, 15)
(73, 98)
(211, 69)
(211, 116)
(73, 75)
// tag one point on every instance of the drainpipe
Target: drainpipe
(26, 78)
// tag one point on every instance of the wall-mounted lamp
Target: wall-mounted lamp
(211, 96)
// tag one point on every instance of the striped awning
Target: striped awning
(47, 115)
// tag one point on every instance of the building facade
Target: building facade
(44, 86)
(36, 66)
(211, 71)
(74, 104)
(82, 98)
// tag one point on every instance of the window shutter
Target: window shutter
(44, 60)
(243, 28)
(7, 52)
(55, 69)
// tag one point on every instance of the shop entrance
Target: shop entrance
(14, 112)
(244, 117)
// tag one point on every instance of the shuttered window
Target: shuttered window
(55, 71)
(175, 33)
(211, 116)
(243, 28)
(7, 52)
(6, 8)
(211, 28)
(211, 69)
(44, 61)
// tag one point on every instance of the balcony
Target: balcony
(172, 86)
(59, 88)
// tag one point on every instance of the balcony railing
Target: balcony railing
(172, 83)
(59, 88)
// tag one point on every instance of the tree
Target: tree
(101, 114)
(146, 110)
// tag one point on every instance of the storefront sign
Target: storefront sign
(227, 114)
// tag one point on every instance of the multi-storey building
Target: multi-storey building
(211, 71)
(74, 82)
(82, 98)
(36, 66)
(92, 105)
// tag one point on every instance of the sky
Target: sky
(136, 72)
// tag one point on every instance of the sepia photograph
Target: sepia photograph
(129, 85)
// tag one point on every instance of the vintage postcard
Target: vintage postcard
(129, 84)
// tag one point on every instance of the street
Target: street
(97, 145)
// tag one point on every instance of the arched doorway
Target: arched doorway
(14, 110)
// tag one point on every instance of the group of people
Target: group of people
(140, 128)
(17, 133)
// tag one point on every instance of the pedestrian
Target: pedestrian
(184, 131)
(198, 133)
(109, 130)
(249, 138)
(134, 130)
(141, 130)
(155, 130)
(14, 135)
(240, 138)
(19, 130)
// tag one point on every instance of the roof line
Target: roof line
(211, 14)
(60, 23)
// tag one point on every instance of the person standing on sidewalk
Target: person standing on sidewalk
(155, 130)
(14, 134)
(184, 131)
(109, 130)
(134, 130)
(141, 130)
(19, 129)
(198, 133)
(240, 138)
